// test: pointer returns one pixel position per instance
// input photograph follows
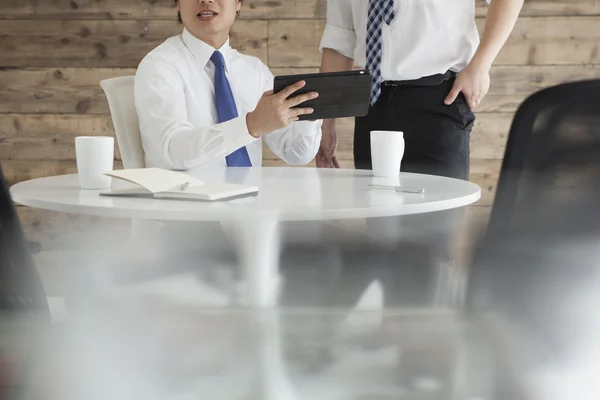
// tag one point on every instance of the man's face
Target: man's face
(206, 18)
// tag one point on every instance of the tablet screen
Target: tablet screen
(341, 94)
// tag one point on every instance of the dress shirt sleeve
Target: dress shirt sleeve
(297, 143)
(167, 133)
(339, 32)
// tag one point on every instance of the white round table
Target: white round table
(285, 194)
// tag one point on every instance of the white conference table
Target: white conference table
(285, 194)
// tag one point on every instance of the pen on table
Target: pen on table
(403, 189)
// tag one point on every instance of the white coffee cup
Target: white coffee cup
(387, 150)
(95, 155)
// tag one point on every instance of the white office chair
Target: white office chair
(119, 93)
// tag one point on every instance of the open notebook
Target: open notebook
(164, 184)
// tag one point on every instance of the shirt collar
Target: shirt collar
(202, 51)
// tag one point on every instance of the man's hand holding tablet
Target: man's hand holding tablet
(276, 110)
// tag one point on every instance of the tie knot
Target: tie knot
(217, 59)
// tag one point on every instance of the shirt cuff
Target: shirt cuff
(236, 133)
(310, 128)
(317, 124)
(341, 40)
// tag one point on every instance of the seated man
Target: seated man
(201, 103)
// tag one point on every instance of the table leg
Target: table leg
(258, 245)
(272, 378)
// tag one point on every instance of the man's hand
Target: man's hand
(473, 82)
(274, 111)
(326, 157)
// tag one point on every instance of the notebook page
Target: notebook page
(156, 179)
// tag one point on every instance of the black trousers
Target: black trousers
(436, 135)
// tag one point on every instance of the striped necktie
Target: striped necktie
(380, 11)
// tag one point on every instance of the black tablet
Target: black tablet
(341, 94)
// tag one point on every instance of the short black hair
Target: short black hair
(179, 14)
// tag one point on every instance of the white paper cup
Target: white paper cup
(387, 150)
(95, 155)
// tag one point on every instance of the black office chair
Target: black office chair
(551, 169)
(23, 303)
(549, 185)
(20, 285)
(540, 250)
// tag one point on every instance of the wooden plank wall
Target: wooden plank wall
(53, 53)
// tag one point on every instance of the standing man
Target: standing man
(429, 73)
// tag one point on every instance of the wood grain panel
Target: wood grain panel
(535, 41)
(485, 173)
(22, 170)
(56, 90)
(489, 135)
(550, 7)
(41, 149)
(511, 85)
(44, 126)
(48, 136)
(252, 9)
(89, 9)
(52, 43)
(294, 43)
(152, 9)
(551, 41)
(56, 231)
(284, 9)
(293, 71)
(53, 224)
(478, 217)
(273, 162)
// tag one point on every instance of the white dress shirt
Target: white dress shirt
(174, 98)
(427, 37)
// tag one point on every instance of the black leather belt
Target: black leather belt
(432, 80)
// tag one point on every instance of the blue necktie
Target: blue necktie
(380, 11)
(226, 109)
